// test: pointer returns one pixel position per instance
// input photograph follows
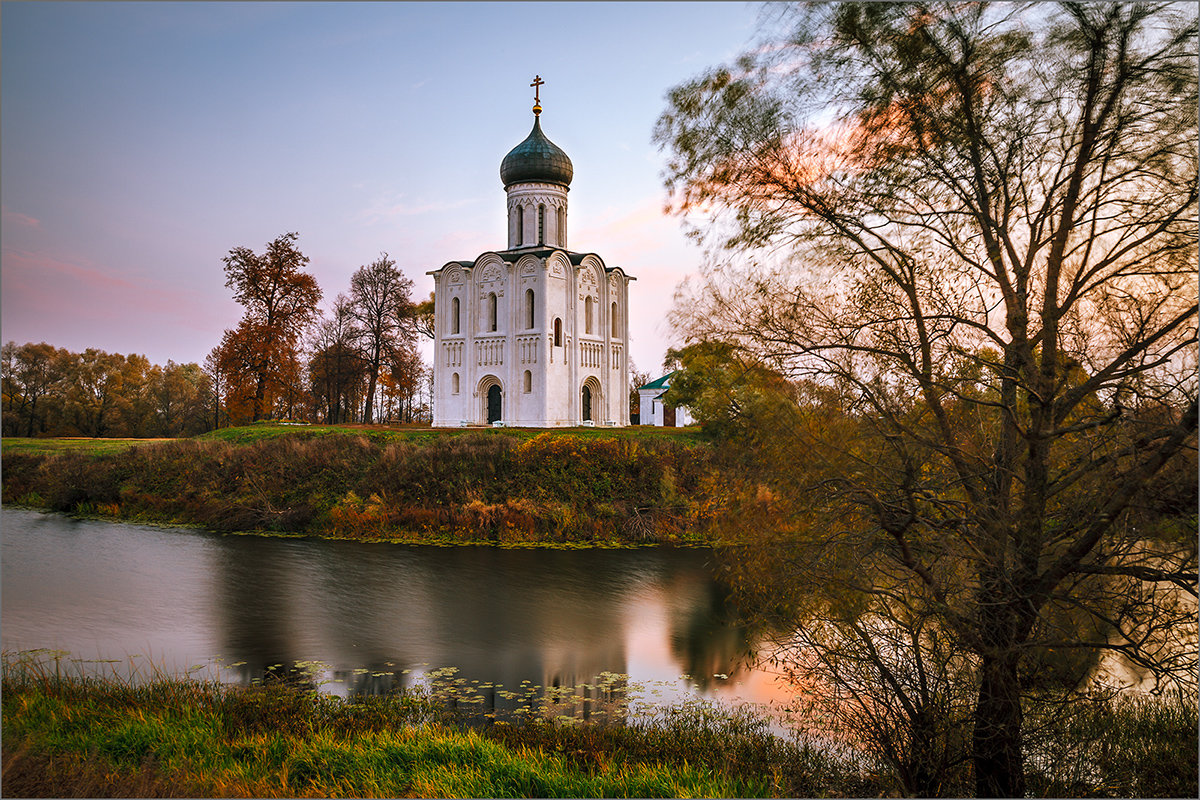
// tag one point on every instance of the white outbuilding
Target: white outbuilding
(535, 334)
(652, 409)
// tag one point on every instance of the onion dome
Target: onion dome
(537, 159)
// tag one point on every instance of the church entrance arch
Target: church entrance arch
(491, 396)
(590, 401)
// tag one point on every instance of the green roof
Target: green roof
(661, 383)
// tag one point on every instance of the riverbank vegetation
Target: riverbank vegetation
(77, 736)
(74, 736)
(415, 484)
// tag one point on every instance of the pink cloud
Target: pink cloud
(24, 262)
(21, 220)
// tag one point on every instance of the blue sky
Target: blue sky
(140, 142)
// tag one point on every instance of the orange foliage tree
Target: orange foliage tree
(259, 358)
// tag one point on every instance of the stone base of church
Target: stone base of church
(540, 423)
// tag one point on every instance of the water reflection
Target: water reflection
(546, 617)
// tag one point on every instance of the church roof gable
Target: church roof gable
(662, 383)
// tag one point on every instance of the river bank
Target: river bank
(514, 488)
(66, 736)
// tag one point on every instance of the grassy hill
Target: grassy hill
(498, 485)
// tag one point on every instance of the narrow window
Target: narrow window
(454, 383)
(529, 308)
(541, 224)
(454, 315)
(557, 332)
(520, 226)
(587, 315)
(492, 311)
(562, 227)
(528, 381)
(613, 314)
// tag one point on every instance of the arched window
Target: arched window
(528, 381)
(454, 315)
(587, 315)
(529, 308)
(492, 311)
(520, 225)
(541, 223)
(557, 332)
(454, 383)
(613, 316)
(562, 227)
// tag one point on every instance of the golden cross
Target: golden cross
(537, 87)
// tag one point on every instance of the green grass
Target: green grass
(247, 434)
(22, 444)
(79, 736)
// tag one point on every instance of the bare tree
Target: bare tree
(975, 225)
(380, 302)
(336, 368)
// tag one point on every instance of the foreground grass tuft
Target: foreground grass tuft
(78, 736)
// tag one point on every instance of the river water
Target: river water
(176, 598)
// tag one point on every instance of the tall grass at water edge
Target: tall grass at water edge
(67, 733)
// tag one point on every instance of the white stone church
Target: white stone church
(533, 335)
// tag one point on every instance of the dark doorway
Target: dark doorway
(587, 403)
(668, 416)
(493, 403)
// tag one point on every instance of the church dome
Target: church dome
(537, 159)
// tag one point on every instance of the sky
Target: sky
(141, 142)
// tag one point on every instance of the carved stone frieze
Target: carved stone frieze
(491, 273)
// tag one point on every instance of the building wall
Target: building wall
(651, 410)
(480, 356)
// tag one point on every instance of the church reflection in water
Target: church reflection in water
(380, 616)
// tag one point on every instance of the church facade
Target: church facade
(535, 334)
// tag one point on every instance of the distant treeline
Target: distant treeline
(286, 359)
(50, 391)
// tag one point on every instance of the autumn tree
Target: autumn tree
(729, 390)
(336, 370)
(94, 383)
(32, 372)
(381, 304)
(178, 395)
(424, 318)
(404, 379)
(260, 357)
(975, 225)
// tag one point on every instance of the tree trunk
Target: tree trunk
(260, 391)
(367, 415)
(999, 766)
